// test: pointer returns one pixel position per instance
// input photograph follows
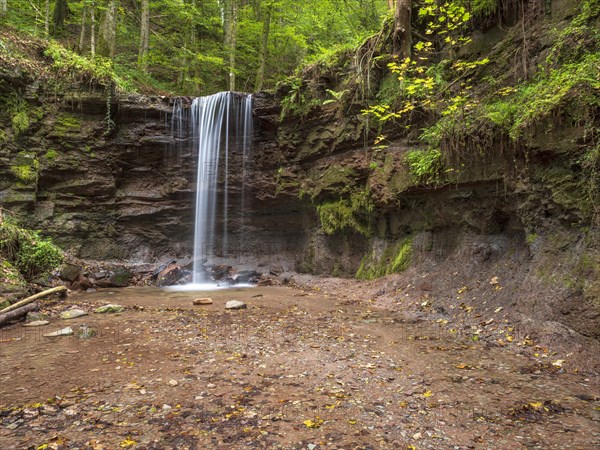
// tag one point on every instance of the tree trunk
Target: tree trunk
(3, 7)
(264, 50)
(61, 9)
(144, 37)
(93, 29)
(82, 32)
(402, 29)
(230, 39)
(17, 313)
(47, 19)
(107, 31)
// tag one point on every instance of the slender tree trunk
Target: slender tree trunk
(3, 7)
(402, 28)
(93, 29)
(47, 19)
(82, 32)
(264, 50)
(230, 39)
(107, 31)
(144, 37)
(61, 8)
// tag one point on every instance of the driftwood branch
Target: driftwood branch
(25, 301)
(17, 313)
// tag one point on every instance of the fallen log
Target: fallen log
(17, 313)
(25, 301)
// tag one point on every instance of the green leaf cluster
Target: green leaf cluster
(32, 254)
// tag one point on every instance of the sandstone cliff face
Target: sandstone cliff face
(119, 194)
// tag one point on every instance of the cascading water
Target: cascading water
(220, 130)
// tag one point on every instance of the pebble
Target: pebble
(211, 386)
(173, 382)
(235, 304)
(63, 332)
(203, 301)
(72, 313)
(109, 309)
(37, 323)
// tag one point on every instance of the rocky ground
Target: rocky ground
(298, 369)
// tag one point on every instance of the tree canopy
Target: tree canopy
(200, 46)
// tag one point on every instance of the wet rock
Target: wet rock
(235, 304)
(68, 331)
(286, 277)
(85, 332)
(81, 283)
(247, 276)
(221, 272)
(35, 316)
(118, 277)
(72, 313)
(37, 323)
(169, 276)
(69, 272)
(203, 301)
(121, 277)
(109, 309)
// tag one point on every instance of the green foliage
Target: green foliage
(71, 66)
(17, 109)
(51, 155)
(297, 102)
(187, 54)
(353, 214)
(32, 254)
(27, 174)
(426, 166)
(532, 103)
(66, 124)
(394, 259)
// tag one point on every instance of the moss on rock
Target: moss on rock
(395, 258)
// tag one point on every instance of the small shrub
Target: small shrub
(31, 253)
(426, 166)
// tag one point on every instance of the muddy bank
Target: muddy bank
(296, 369)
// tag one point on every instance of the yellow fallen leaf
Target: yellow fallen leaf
(509, 338)
(128, 443)
(427, 394)
(313, 423)
(352, 421)
(536, 405)
(558, 363)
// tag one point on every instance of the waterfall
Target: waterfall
(220, 128)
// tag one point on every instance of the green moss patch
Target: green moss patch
(395, 258)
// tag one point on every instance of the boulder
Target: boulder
(247, 276)
(235, 304)
(69, 272)
(169, 276)
(203, 301)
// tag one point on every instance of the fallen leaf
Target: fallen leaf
(128, 443)
(313, 423)
(427, 394)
